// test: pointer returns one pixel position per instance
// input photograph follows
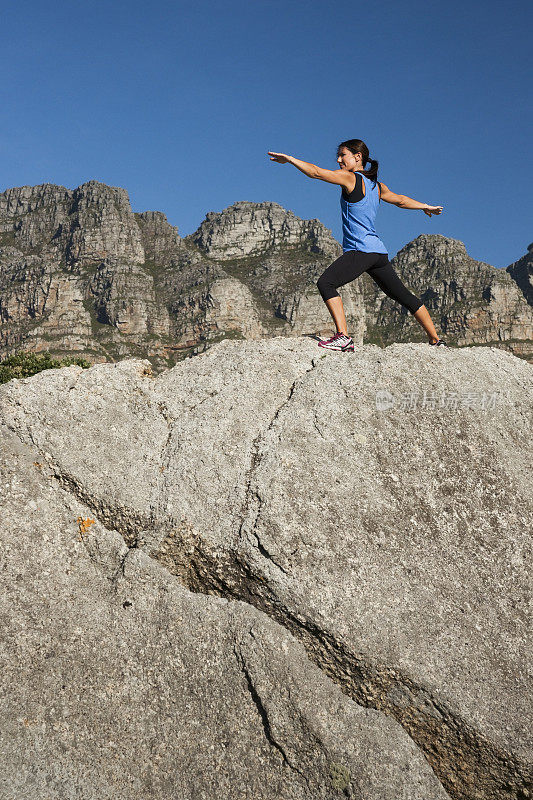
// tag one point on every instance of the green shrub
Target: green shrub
(24, 364)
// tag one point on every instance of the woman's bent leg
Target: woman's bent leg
(346, 268)
(336, 309)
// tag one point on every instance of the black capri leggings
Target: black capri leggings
(353, 263)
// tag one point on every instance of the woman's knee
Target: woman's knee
(321, 284)
(415, 305)
(326, 288)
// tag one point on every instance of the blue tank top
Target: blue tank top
(358, 232)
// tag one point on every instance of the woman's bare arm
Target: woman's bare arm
(402, 201)
(341, 177)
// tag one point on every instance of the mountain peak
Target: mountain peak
(246, 228)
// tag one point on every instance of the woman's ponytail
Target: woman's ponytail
(372, 172)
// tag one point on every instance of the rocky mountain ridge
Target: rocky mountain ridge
(81, 273)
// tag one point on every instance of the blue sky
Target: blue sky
(179, 104)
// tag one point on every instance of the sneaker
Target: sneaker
(338, 342)
(439, 343)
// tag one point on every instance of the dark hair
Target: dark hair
(358, 146)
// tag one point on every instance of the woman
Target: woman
(363, 250)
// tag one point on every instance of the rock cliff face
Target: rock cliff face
(80, 272)
(522, 272)
(231, 581)
(88, 224)
(246, 229)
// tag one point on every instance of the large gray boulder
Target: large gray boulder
(376, 506)
(117, 682)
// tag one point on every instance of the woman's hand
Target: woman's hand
(281, 158)
(429, 210)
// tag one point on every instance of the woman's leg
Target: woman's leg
(346, 268)
(422, 315)
(389, 282)
(336, 309)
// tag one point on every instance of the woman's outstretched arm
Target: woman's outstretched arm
(402, 201)
(339, 176)
(343, 177)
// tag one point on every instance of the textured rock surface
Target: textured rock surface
(389, 538)
(522, 273)
(80, 272)
(117, 682)
(246, 229)
(90, 223)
